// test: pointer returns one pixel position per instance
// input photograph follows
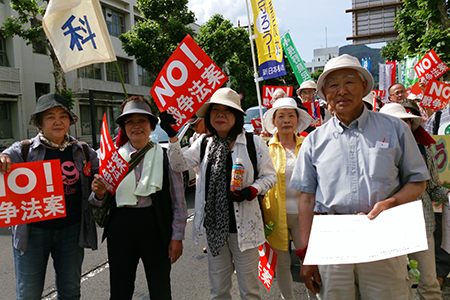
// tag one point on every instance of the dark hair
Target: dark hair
(153, 121)
(412, 106)
(275, 113)
(39, 116)
(235, 130)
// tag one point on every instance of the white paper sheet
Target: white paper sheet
(346, 239)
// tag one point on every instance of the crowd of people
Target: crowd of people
(360, 160)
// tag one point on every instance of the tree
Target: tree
(423, 25)
(28, 26)
(153, 39)
(316, 74)
(229, 48)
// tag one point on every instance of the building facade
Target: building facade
(26, 74)
(321, 56)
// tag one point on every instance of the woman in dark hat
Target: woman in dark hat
(148, 214)
(62, 238)
(232, 220)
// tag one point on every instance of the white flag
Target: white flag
(77, 31)
(384, 80)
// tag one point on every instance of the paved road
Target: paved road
(189, 274)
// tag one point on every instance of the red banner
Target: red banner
(316, 122)
(267, 264)
(379, 93)
(430, 67)
(257, 125)
(32, 192)
(187, 80)
(268, 91)
(437, 95)
(415, 90)
(112, 166)
(393, 71)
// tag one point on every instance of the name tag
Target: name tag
(381, 145)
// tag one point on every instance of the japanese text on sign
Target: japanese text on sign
(186, 82)
(436, 96)
(268, 91)
(267, 264)
(113, 167)
(31, 192)
(430, 67)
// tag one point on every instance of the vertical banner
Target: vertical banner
(186, 82)
(392, 69)
(113, 167)
(267, 264)
(78, 33)
(410, 73)
(268, 43)
(300, 71)
(365, 62)
(32, 192)
(384, 81)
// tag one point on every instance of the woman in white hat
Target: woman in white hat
(148, 211)
(429, 286)
(232, 220)
(280, 204)
(62, 238)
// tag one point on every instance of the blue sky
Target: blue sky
(306, 20)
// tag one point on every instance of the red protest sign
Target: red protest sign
(257, 125)
(379, 93)
(430, 67)
(317, 120)
(268, 91)
(187, 80)
(415, 90)
(267, 264)
(437, 95)
(31, 192)
(113, 167)
(393, 71)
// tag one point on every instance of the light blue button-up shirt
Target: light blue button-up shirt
(349, 169)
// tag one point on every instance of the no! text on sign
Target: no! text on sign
(31, 192)
(186, 82)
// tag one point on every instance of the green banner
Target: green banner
(409, 73)
(294, 59)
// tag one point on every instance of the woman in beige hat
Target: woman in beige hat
(62, 238)
(232, 220)
(408, 111)
(280, 204)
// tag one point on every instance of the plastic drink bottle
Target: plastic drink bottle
(268, 228)
(415, 273)
(237, 176)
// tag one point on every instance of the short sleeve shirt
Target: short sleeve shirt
(349, 169)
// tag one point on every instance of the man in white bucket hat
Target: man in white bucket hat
(360, 162)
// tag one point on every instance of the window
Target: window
(111, 71)
(5, 120)
(144, 76)
(112, 112)
(41, 89)
(39, 47)
(115, 21)
(3, 57)
(93, 71)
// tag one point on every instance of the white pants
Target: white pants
(384, 279)
(283, 270)
(222, 266)
(428, 288)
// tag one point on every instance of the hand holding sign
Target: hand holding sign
(187, 80)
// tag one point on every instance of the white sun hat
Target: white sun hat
(397, 110)
(344, 61)
(304, 119)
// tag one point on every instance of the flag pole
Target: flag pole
(121, 79)
(255, 73)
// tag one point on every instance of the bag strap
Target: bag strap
(202, 148)
(25, 149)
(251, 150)
(437, 122)
(136, 159)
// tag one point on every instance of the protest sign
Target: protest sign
(437, 95)
(430, 67)
(379, 93)
(267, 264)
(186, 82)
(31, 192)
(257, 125)
(78, 33)
(267, 39)
(415, 90)
(113, 167)
(268, 91)
(300, 71)
(314, 112)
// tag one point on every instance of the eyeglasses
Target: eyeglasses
(398, 93)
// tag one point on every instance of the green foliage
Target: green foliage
(423, 25)
(315, 75)
(152, 40)
(69, 96)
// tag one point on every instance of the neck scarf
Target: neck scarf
(217, 218)
(66, 142)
